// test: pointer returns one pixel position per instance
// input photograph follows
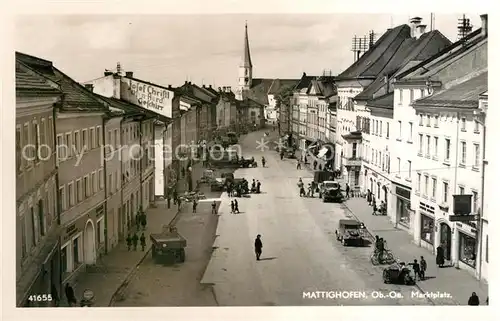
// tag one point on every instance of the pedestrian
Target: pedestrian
(236, 209)
(369, 197)
(169, 197)
(175, 196)
(143, 241)
(144, 221)
(70, 295)
(305, 160)
(440, 256)
(298, 164)
(416, 269)
(129, 242)
(347, 189)
(232, 207)
(374, 205)
(179, 204)
(474, 299)
(258, 247)
(487, 300)
(55, 295)
(195, 203)
(214, 207)
(138, 219)
(263, 161)
(258, 187)
(423, 268)
(282, 155)
(135, 239)
(183, 172)
(315, 164)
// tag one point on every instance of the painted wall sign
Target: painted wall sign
(154, 98)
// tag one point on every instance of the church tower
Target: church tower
(245, 69)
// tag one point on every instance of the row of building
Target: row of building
(407, 123)
(90, 157)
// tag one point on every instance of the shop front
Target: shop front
(403, 196)
(426, 230)
(467, 247)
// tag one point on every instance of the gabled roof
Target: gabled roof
(374, 61)
(279, 84)
(385, 101)
(198, 92)
(28, 81)
(325, 88)
(304, 82)
(262, 87)
(463, 95)
(76, 97)
(411, 50)
(131, 109)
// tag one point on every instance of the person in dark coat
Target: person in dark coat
(232, 207)
(258, 247)
(258, 187)
(144, 221)
(70, 295)
(195, 204)
(236, 209)
(440, 256)
(315, 164)
(135, 240)
(416, 269)
(169, 198)
(129, 241)
(423, 268)
(143, 241)
(474, 299)
(305, 160)
(55, 295)
(175, 196)
(299, 166)
(347, 190)
(214, 207)
(138, 219)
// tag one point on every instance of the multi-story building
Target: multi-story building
(441, 156)
(226, 110)
(488, 180)
(37, 219)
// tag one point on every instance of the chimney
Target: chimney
(210, 86)
(414, 22)
(220, 89)
(118, 68)
(420, 31)
(89, 87)
(129, 74)
(203, 86)
(169, 86)
(186, 82)
(229, 89)
(484, 25)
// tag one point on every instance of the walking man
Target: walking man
(258, 247)
(298, 164)
(195, 203)
(347, 190)
(144, 221)
(236, 209)
(143, 241)
(473, 299)
(423, 267)
(129, 242)
(70, 295)
(232, 207)
(214, 207)
(135, 239)
(169, 197)
(416, 269)
(258, 187)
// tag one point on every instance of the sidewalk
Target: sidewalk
(459, 283)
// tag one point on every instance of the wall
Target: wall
(160, 160)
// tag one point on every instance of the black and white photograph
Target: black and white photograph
(251, 159)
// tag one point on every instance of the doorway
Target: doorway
(89, 237)
(445, 240)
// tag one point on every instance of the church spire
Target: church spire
(247, 61)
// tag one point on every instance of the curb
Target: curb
(121, 288)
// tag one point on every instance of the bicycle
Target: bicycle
(387, 257)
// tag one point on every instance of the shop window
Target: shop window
(427, 229)
(467, 249)
(64, 259)
(100, 232)
(76, 252)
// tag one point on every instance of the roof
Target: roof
(247, 61)
(279, 84)
(76, 97)
(248, 102)
(322, 87)
(28, 81)
(197, 92)
(130, 108)
(385, 101)
(411, 50)
(374, 61)
(304, 81)
(463, 95)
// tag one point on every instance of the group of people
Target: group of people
(311, 188)
(134, 240)
(235, 207)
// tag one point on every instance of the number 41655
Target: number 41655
(40, 297)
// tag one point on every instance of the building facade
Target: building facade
(37, 219)
(489, 180)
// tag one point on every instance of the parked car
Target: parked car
(351, 232)
(330, 191)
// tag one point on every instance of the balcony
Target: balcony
(352, 161)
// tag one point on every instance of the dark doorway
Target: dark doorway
(445, 240)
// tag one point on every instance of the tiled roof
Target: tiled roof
(374, 61)
(410, 50)
(324, 87)
(279, 84)
(260, 88)
(304, 82)
(463, 95)
(29, 81)
(385, 101)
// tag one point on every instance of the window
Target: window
(411, 95)
(400, 129)
(426, 185)
(110, 179)
(109, 141)
(41, 217)
(68, 145)
(64, 259)
(463, 158)
(50, 131)
(463, 125)
(436, 146)
(117, 184)
(428, 149)
(33, 226)
(477, 154)
(420, 143)
(409, 169)
(71, 194)
(434, 187)
(36, 133)
(26, 141)
(76, 141)
(399, 166)
(476, 126)
(400, 96)
(62, 197)
(467, 249)
(76, 252)
(474, 202)
(92, 138)
(94, 182)
(354, 150)
(410, 131)
(100, 232)
(419, 182)
(447, 149)
(436, 121)
(19, 158)
(79, 191)
(387, 130)
(427, 120)
(99, 136)
(86, 186)
(117, 141)
(422, 93)
(101, 179)
(85, 140)
(420, 119)
(461, 190)
(43, 151)
(445, 192)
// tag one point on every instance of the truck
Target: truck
(168, 246)
(330, 191)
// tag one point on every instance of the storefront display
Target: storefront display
(403, 212)
(467, 249)
(427, 229)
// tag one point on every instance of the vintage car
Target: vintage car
(219, 184)
(168, 246)
(248, 162)
(330, 191)
(351, 232)
(398, 273)
(321, 176)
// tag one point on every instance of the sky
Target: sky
(206, 49)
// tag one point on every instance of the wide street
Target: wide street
(300, 252)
